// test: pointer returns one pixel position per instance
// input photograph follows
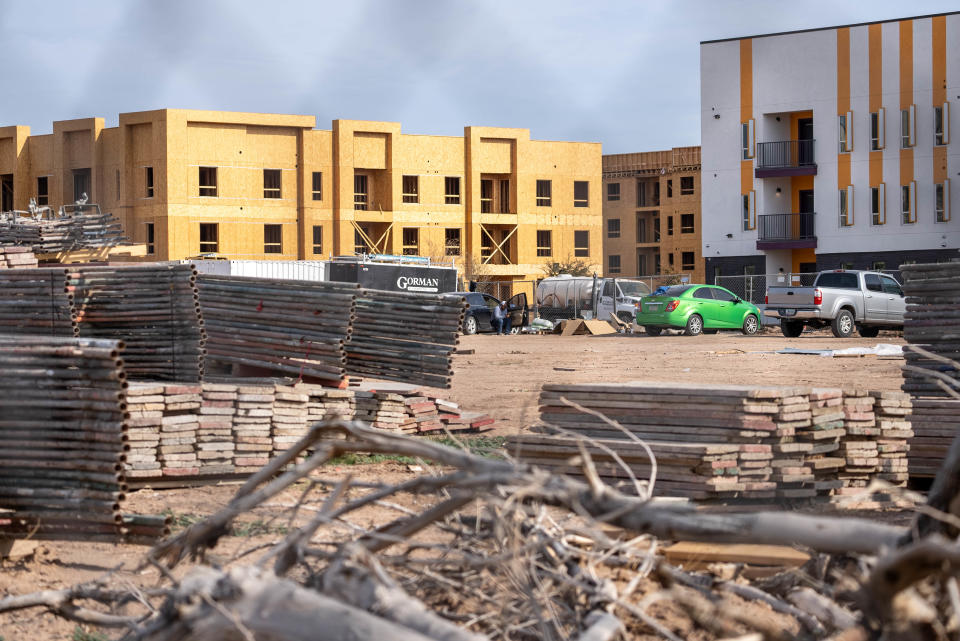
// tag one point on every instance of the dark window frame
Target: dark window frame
(581, 193)
(210, 244)
(272, 238)
(451, 196)
(613, 228)
(581, 249)
(316, 183)
(317, 240)
(410, 188)
(208, 182)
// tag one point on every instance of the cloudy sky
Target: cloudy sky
(621, 73)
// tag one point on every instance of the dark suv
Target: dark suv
(481, 308)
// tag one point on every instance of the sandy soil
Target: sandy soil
(502, 377)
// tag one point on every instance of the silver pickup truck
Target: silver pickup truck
(844, 300)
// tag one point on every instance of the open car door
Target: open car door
(517, 306)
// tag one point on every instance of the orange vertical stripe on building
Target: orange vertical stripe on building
(906, 94)
(875, 59)
(843, 100)
(939, 38)
(746, 107)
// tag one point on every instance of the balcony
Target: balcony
(786, 231)
(786, 158)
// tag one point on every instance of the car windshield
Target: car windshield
(674, 290)
(633, 288)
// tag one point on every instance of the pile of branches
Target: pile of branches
(506, 551)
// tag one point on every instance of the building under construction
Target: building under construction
(267, 186)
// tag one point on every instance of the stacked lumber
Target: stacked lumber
(179, 453)
(935, 423)
(79, 227)
(405, 337)
(12, 257)
(821, 440)
(63, 439)
(289, 418)
(893, 410)
(295, 327)
(932, 321)
(215, 441)
(859, 449)
(383, 410)
(145, 404)
(37, 301)
(153, 308)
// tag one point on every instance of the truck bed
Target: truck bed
(790, 296)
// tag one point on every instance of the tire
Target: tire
(711, 331)
(843, 324)
(470, 325)
(694, 325)
(868, 332)
(653, 331)
(751, 325)
(791, 329)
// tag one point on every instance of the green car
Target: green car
(696, 309)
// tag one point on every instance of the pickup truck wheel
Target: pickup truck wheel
(791, 329)
(750, 325)
(843, 324)
(470, 325)
(868, 332)
(653, 331)
(694, 326)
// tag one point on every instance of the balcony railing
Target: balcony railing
(786, 155)
(776, 231)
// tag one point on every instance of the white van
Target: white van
(565, 296)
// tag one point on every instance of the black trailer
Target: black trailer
(394, 274)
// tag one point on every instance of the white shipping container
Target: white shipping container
(314, 270)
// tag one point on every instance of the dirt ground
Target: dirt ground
(502, 377)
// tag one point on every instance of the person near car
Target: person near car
(500, 319)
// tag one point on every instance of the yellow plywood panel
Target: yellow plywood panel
(496, 156)
(370, 150)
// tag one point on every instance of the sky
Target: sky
(625, 74)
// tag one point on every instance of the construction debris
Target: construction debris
(77, 226)
(12, 257)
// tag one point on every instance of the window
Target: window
(208, 181)
(941, 124)
(209, 238)
(846, 206)
(717, 273)
(613, 264)
(486, 196)
(891, 286)
(656, 264)
(749, 211)
(747, 138)
(878, 214)
(840, 280)
(908, 123)
(908, 195)
(669, 225)
(544, 193)
(544, 242)
(361, 195)
(686, 185)
(581, 193)
(151, 243)
(411, 241)
(273, 239)
(43, 191)
(451, 190)
(872, 282)
(670, 259)
(581, 242)
(846, 265)
(641, 194)
(360, 241)
(687, 260)
(641, 262)
(877, 266)
(271, 183)
(613, 192)
(749, 270)
(504, 196)
(656, 230)
(942, 201)
(686, 224)
(613, 228)
(317, 186)
(704, 293)
(669, 188)
(641, 228)
(411, 189)
(149, 181)
(877, 126)
(317, 238)
(845, 132)
(451, 237)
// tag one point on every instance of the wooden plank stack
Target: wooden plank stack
(63, 438)
(405, 337)
(935, 422)
(253, 424)
(153, 308)
(179, 428)
(932, 321)
(893, 412)
(289, 416)
(37, 301)
(145, 404)
(298, 328)
(12, 257)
